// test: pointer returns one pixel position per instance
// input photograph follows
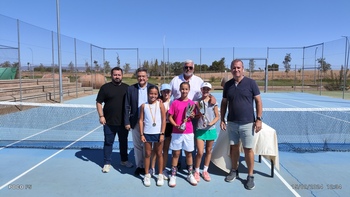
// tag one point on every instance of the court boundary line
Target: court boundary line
(282, 179)
(43, 161)
(43, 131)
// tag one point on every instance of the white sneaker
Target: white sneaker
(160, 180)
(165, 175)
(191, 179)
(172, 182)
(106, 168)
(127, 164)
(147, 180)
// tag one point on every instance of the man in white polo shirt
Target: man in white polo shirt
(187, 75)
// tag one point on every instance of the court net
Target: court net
(75, 126)
(310, 129)
(40, 125)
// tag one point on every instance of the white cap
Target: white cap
(206, 84)
(165, 86)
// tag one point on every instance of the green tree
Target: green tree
(218, 66)
(201, 68)
(106, 67)
(324, 66)
(6, 64)
(97, 67)
(41, 68)
(87, 67)
(118, 60)
(126, 68)
(251, 65)
(273, 67)
(177, 67)
(71, 67)
(286, 63)
(145, 64)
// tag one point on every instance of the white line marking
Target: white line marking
(43, 131)
(32, 168)
(281, 178)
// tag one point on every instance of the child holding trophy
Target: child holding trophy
(182, 138)
(206, 131)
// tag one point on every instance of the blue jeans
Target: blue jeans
(110, 133)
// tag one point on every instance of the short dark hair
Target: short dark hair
(236, 60)
(141, 69)
(116, 68)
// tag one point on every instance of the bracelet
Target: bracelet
(161, 133)
(101, 116)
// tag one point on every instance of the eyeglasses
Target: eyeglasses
(188, 67)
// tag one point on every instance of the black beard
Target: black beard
(117, 81)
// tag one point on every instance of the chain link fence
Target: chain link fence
(320, 68)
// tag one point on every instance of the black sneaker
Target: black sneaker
(250, 183)
(231, 176)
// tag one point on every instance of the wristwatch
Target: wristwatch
(259, 118)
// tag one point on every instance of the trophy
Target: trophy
(202, 110)
(189, 110)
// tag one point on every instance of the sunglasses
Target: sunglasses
(188, 67)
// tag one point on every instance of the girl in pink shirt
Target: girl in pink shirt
(182, 137)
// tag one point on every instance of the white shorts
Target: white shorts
(182, 141)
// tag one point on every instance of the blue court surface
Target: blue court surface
(312, 162)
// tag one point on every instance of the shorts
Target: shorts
(244, 132)
(206, 134)
(182, 141)
(152, 137)
(168, 129)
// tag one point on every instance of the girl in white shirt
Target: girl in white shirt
(152, 126)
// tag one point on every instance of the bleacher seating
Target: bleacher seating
(39, 90)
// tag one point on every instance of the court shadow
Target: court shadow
(93, 155)
(122, 169)
(96, 156)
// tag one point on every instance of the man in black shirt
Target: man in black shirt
(112, 94)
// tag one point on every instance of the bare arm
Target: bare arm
(258, 106)
(216, 112)
(212, 99)
(100, 113)
(143, 139)
(223, 109)
(163, 115)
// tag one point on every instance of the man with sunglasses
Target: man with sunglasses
(188, 76)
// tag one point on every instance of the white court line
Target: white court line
(282, 179)
(43, 131)
(32, 168)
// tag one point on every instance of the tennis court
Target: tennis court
(56, 151)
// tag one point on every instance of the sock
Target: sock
(197, 170)
(190, 169)
(173, 171)
(205, 168)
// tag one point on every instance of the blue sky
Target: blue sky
(186, 23)
(189, 23)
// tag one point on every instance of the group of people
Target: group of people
(186, 122)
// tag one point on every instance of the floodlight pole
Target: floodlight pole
(345, 67)
(59, 48)
(315, 66)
